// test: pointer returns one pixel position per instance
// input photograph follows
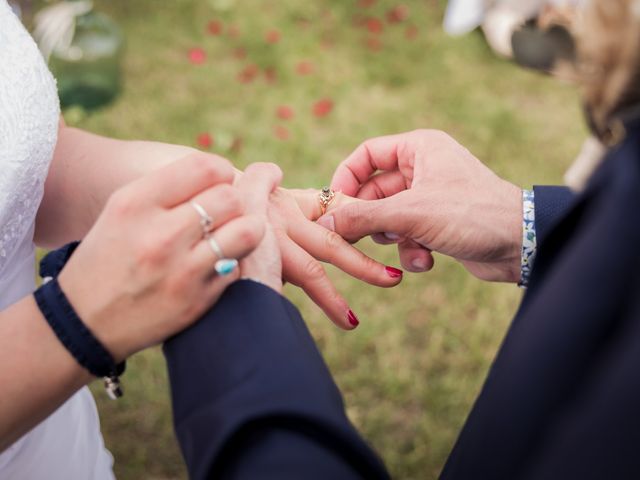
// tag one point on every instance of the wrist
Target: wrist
(511, 206)
(76, 337)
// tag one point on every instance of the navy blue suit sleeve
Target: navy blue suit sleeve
(253, 398)
(551, 203)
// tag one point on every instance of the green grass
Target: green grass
(411, 371)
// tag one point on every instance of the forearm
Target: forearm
(85, 171)
(37, 374)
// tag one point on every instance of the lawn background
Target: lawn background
(412, 369)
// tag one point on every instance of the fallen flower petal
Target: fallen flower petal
(197, 56)
(304, 68)
(281, 132)
(240, 53)
(272, 36)
(248, 73)
(322, 107)
(411, 32)
(374, 25)
(398, 14)
(270, 75)
(284, 112)
(215, 27)
(366, 3)
(204, 140)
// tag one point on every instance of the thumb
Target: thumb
(361, 218)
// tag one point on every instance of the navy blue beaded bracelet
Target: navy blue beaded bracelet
(72, 332)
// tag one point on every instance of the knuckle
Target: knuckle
(212, 171)
(430, 135)
(314, 270)
(352, 215)
(438, 135)
(121, 203)
(333, 241)
(178, 285)
(152, 252)
(251, 233)
(207, 170)
(231, 198)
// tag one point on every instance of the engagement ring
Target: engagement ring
(326, 196)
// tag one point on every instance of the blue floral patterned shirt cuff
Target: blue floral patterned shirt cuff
(528, 237)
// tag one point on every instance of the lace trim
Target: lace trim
(29, 113)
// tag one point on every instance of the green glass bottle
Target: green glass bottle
(88, 69)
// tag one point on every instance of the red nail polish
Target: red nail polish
(393, 272)
(353, 320)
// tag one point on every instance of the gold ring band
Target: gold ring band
(326, 196)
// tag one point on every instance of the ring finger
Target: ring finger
(234, 240)
(208, 211)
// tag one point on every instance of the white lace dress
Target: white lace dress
(68, 445)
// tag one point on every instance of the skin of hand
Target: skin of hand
(304, 245)
(425, 192)
(264, 264)
(144, 271)
(88, 168)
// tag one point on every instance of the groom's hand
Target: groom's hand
(427, 193)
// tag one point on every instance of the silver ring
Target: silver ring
(215, 247)
(206, 222)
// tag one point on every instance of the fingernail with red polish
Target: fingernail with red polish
(393, 272)
(353, 320)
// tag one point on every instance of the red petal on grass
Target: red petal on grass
(272, 36)
(204, 140)
(366, 3)
(358, 20)
(281, 132)
(411, 32)
(270, 75)
(284, 112)
(305, 68)
(327, 43)
(323, 107)
(215, 27)
(374, 44)
(248, 73)
(197, 56)
(233, 31)
(398, 14)
(240, 53)
(374, 25)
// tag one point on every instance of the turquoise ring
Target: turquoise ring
(225, 266)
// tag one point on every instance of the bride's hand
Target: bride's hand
(304, 244)
(144, 271)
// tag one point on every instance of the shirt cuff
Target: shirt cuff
(529, 244)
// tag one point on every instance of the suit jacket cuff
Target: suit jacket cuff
(551, 203)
